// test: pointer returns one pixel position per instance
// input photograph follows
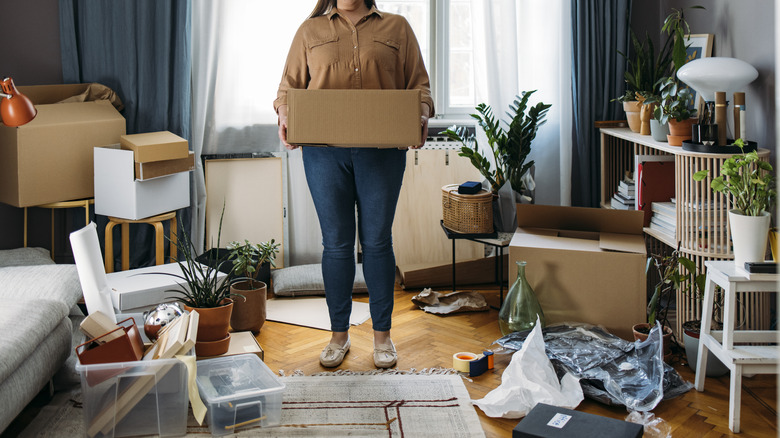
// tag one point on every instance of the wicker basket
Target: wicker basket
(471, 214)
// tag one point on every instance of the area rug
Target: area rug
(387, 405)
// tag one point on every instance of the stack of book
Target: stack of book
(625, 196)
(664, 219)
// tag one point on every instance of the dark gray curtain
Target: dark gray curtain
(140, 49)
(599, 29)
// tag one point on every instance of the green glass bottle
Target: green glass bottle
(520, 306)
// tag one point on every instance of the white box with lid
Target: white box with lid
(241, 392)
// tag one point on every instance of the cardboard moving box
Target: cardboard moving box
(50, 158)
(584, 264)
(118, 193)
(156, 169)
(354, 118)
(155, 146)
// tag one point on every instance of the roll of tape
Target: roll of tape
(460, 361)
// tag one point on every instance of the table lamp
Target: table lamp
(16, 109)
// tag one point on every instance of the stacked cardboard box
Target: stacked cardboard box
(142, 176)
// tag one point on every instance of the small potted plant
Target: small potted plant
(510, 149)
(249, 261)
(751, 185)
(676, 109)
(205, 289)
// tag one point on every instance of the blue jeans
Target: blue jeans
(340, 179)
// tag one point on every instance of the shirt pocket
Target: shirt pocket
(323, 52)
(386, 52)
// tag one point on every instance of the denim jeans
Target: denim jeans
(340, 179)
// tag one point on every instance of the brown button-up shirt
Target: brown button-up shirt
(379, 52)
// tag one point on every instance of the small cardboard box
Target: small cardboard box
(50, 158)
(155, 146)
(354, 118)
(138, 290)
(156, 169)
(584, 264)
(119, 194)
(546, 421)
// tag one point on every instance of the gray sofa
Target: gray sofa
(36, 298)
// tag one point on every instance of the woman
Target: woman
(350, 44)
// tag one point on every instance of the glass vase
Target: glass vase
(520, 307)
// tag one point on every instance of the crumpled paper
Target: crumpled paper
(454, 302)
(530, 379)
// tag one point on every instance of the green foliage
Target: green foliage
(645, 69)
(248, 257)
(676, 27)
(510, 148)
(676, 101)
(202, 286)
(676, 272)
(748, 180)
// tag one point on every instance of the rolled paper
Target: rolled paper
(92, 273)
(720, 116)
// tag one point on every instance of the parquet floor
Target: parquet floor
(424, 340)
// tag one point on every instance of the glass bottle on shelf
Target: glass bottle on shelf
(520, 306)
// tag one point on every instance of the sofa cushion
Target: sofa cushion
(295, 281)
(53, 282)
(25, 257)
(24, 324)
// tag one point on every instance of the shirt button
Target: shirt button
(355, 47)
(356, 69)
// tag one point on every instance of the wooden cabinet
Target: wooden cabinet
(702, 221)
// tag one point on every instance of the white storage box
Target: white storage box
(241, 392)
(147, 397)
(119, 194)
(138, 290)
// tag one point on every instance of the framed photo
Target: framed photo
(699, 46)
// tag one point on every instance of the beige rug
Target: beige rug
(387, 405)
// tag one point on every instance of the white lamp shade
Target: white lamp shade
(708, 75)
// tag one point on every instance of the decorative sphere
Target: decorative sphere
(158, 317)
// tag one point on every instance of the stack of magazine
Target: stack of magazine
(664, 219)
(625, 196)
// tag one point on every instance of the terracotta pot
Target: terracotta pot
(214, 322)
(666, 338)
(632, 114)
(212, 348)
(683, 128)
(248, 312)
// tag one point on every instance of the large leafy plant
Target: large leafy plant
(748, 180)
(676, 27)
(644, 70)
(676, 273)
(510, 148)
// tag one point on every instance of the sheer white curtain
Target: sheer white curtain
(238, 52)
(522, 46)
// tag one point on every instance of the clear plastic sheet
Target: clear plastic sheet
(611, 370)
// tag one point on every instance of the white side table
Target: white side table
(750, 359)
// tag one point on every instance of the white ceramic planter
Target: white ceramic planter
(749, 236)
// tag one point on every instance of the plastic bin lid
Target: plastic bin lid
(235, 377)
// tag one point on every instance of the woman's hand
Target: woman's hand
(425, 111)
(283, 128)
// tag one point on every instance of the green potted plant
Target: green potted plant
(677, 28)
(749, 182)
(509, 150)
(675, 108)
(676, 273)
(205, 289)
(643, 71)
(249, 260)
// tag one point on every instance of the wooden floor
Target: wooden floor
(425, 340)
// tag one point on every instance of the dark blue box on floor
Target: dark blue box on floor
(545, 421)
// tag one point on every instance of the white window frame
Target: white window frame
(440, 61)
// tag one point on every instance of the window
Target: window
(444, 31)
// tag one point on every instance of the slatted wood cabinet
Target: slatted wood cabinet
(702, 215)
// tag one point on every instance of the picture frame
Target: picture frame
(699, 46)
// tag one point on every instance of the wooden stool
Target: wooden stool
(159, 238)
(728, 344)
(78, 203)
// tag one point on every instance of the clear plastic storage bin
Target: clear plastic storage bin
(146, 397)
(240, 392)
